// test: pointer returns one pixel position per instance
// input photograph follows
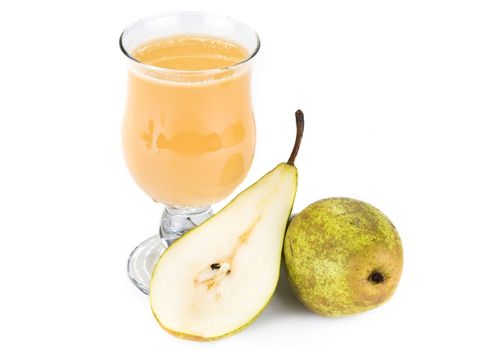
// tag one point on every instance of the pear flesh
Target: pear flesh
(342, 256)
(218, 277)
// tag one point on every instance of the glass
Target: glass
(188, 135)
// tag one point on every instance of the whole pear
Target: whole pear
(342, 256)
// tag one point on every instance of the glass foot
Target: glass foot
(142, 260)
(174, 223)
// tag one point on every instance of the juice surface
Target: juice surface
(190, 53)
(185, 143)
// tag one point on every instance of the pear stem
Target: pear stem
(298, 139)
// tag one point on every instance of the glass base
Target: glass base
(175, 221)
(142, 260)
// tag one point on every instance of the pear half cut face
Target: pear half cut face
(218, 278)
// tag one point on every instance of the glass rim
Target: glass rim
(248, 58)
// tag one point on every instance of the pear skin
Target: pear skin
(342, 257)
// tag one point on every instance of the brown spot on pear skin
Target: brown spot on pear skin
(366, 289)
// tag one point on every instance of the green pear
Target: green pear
(342, 256)
(217, 278)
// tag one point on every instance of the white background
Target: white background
(395, 95)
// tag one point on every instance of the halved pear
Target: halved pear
(218, 278)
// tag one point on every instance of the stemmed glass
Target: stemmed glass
(188, 135)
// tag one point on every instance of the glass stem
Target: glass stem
(175, 221)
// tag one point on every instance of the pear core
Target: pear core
(342, 256)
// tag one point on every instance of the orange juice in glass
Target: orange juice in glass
(188, 133)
